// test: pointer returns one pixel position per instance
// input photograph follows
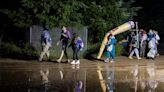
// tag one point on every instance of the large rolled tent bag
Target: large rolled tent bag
(120, 29)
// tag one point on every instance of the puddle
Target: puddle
(103, 78)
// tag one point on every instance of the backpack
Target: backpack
(79, 43)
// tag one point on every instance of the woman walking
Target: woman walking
(76, 45)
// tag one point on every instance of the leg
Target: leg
(157, 51)
(43, 53)
(113, 55)
(131, 53)
(74, 53)
(77, 56)
(61, 56)
(137, 53)
(107, 56)
(130, 49)
(62, 53)
(143, 50)
(47, 52)
(149, 53)
(74, 56)
(65, 52)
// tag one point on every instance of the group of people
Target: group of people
(66, 40)
(139, 43)
(142, 44)
(136, 43)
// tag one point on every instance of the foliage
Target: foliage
(100, 16)
(105, 15)
(50, 12)
(92, 49)
(13, 51)
(120, 50)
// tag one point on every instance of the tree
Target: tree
(100, 16)
(105, 15)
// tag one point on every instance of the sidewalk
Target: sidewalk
(121, 61)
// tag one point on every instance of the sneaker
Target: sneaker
(73, 62)
(78, 62)
(68, 61)
(130, 57)
(112, 61)
(58, 60)
(106, 60)
(139, 58)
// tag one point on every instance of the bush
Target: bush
(93, 49)
(11, 50)
(119, 50)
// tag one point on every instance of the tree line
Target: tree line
(99, 16)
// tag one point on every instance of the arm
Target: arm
(66, 35)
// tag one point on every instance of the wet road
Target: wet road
(90, 76)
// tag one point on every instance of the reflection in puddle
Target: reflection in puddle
(107, 82)
(44, 75)
(109, 78)
(44, 80)
(152, 82)
(134, 73)
(103, 78)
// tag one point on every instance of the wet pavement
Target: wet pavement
(90, 76)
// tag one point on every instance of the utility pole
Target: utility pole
(137, 31)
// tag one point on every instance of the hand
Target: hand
(64, 34)
(119, 42)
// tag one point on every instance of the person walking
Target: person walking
(134, 45)
(64, 38)
(77, 45)
(143, 43)
(157, 37)
(110, 48)
(152, 45)
(45, 43)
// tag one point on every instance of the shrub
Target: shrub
(11, 50)
(93, 49)
(119, 50)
